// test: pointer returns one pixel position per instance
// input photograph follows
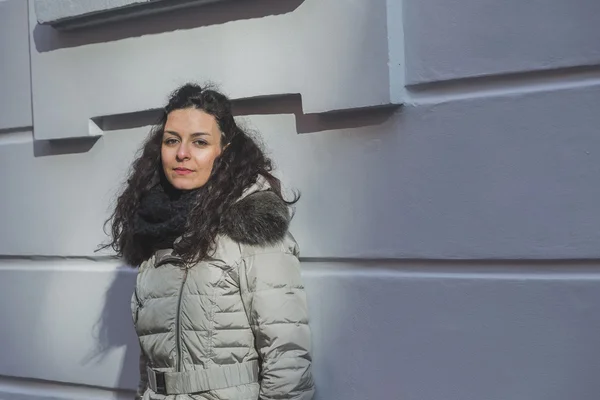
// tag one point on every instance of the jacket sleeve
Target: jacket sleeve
(143, 383)
(275, 303)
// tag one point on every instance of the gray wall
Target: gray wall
(448, 153)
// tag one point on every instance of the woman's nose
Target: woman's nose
(183, 152)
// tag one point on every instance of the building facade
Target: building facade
(447, 152)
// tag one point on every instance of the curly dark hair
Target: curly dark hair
(238, 167)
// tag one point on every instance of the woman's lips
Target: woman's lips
(182, 171)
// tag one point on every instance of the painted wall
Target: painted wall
(448, 154)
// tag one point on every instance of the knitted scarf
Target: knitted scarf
(162, 215)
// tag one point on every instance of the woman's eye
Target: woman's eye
(170, 141)
(200, 143)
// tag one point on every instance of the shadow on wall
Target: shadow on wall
(312, 123)
(114, 328)
(43, 148)
(267, 105)
(47, 38)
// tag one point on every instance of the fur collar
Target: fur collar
(258, 219)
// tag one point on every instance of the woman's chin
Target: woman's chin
(181, 183)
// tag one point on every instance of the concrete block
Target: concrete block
(15, 78)
(502, 177)
(400, 330)
(70, 322)
(453, 39)
(252, 50)
(454, 332)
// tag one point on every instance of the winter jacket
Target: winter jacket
(234, 326)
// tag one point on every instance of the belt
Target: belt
(201, 380)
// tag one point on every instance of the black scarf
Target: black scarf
(162, 215)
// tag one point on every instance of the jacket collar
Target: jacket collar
(258, 218)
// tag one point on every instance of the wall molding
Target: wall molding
(68, 15)
(28, 389)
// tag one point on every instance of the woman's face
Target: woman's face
(191, 142)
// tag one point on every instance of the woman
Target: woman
(219, 306)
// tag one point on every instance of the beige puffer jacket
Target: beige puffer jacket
(234, 326)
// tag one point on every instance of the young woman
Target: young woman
(219, 306)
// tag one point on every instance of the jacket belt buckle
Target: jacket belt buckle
(161, 388)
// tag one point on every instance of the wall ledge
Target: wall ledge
(74, 14)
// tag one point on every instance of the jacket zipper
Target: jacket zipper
(178, 321)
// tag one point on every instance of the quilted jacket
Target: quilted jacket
(233, 326)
